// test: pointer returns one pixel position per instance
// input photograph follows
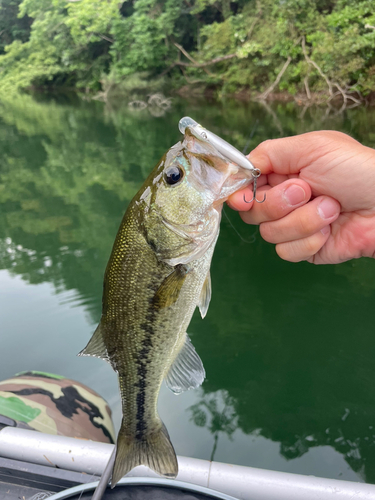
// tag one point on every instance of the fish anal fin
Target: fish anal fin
(205, 296)
(154, 450)
(170, 288)
(96, 346)
(187, 371)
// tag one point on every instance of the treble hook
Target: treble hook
(255, 173)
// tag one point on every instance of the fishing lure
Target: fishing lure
(225, 149)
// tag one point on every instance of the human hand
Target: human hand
(320, 203)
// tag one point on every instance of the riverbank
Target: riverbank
(247, 95)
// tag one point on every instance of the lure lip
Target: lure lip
(220, 144)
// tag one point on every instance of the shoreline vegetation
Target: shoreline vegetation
(312, 52)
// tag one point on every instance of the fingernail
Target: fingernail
(294, 195)
(327, 208)
(325, 230)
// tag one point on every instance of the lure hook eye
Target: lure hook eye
(255, 173)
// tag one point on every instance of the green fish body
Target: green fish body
(157, 274)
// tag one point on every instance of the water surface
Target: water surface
(288, 349)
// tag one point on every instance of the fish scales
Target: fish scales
(157, 274)
(141, 370)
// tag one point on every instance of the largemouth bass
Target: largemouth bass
(157, 274)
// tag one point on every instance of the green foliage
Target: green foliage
(90, 44)
(11, 26)
(64, 47)
(90, 20)
(147, 34)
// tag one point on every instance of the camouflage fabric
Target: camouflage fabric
(56, 405)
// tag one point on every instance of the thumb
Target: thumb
(290, 155)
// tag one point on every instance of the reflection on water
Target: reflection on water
(217, 414)
(229, 443)
(288, 348)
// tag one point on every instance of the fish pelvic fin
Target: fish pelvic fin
(154, 450)
(96, 346)
(187, 371)
(205, 296)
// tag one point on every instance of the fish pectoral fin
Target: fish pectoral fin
(154, 450)
(96, 346)
(169, 290)
(187, 370)
(205, 296)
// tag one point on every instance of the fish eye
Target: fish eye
(173, 175)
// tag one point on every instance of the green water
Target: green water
(289, 349)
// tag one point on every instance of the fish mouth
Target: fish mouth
(226, 149)
(213, 170)
(218, 158)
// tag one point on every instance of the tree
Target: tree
(11, 26)
(324, 48)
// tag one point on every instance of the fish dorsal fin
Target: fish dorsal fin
(187, 370)
(170, 288)
(96, 346)
(205, 296)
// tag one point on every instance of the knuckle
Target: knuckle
(312, 245)
(247, 217)
(283, 251)
(263, 145)
(300, 250)
(266, 232)
(307, 223)
(274, 209)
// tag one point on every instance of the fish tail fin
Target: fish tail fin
(154, 450)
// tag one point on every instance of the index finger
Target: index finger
(289, 155)
(280, 201)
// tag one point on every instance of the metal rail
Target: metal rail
(244, 483)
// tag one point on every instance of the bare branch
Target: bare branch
(276, 121)
(186, 54)
(276, 82)
(307, 88)
(346, 96)
(368, 26)
(313, 63)
(208, 63)
(193, 63)
(104, 37)
(343, 92)
(352, 88)
(305, 108)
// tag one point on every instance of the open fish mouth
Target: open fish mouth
(219, 167)
(222, 146)
(244, 166)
